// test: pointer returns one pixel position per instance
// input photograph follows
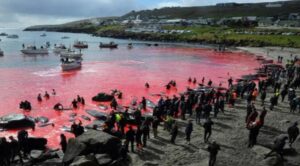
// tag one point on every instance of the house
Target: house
(273, 5)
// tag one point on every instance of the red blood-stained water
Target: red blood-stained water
(157, 66)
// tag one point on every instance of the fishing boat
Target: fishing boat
(59, 48)
(65, 37)
(3, 34)
(1, 52)
(80, 44)
(108, 45)
(43, 35)
(13, 36)
(130, 46)
(71, 54)
(34, 50)
(70, 64)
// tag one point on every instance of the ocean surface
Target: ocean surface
(22, 77)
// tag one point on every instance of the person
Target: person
(39, 98)
(74, 104)
(147, 85)
(263, 97)
(278, 146)
(15, 149)
(207, 129)
(190, 80)
(130, 138)
(46, 95)
(146, 132)
(293, 132)
(198, 113)
(213, 150)
(230, 81)
(4, 152)
(63, 142)
(82, 101)
(194, 81)
(114, 104)
(253, 133)
(188, 131)
(209, 83)
(155, 124)
(144, 103)
(138, 138)
(53, 92)
(174, 133)
(78, 99)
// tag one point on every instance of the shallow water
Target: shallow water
(23, 77)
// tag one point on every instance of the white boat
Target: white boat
(70, 64)
(65, 37)
(71, 54)
(13, 36)
(34, 50)
(43, 35)
(1, 52)
(59, 48)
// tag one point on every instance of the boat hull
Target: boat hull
(71, 66)
(43, 51)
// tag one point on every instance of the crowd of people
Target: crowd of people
(201, 106)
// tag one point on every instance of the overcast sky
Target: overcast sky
(22, 13)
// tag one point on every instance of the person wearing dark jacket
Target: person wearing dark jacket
(278, 146)
(207, 129)
(188, 131)
(174, 133)
(63, 142)
(293, 132)
(130, 138)
(155, 124)
(213, 150)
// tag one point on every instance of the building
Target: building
(273, 5)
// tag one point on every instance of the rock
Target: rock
(14, 121)
(103, 97)
(84, 161)
(92, 141)
(148, 163)
(74, 148)
(103, 159)
(45, 156)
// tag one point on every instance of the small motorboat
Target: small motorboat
(13, 36)
(80, 44)
(71, 54)
(59, 48)
(43, 35)
(65, 37)
(70, 64)
(108, 45)
(34, 50)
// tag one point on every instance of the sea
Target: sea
(23, 77)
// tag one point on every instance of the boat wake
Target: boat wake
(49, 73)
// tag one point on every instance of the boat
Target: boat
(80, 44)
(108, 45)
(59, 48)
(3, 34)
(70, 64)
(71, 54)
(65, 37)
(130, 46)
(13, 36)
(1, 52)
(43, 35)
(34, 50)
